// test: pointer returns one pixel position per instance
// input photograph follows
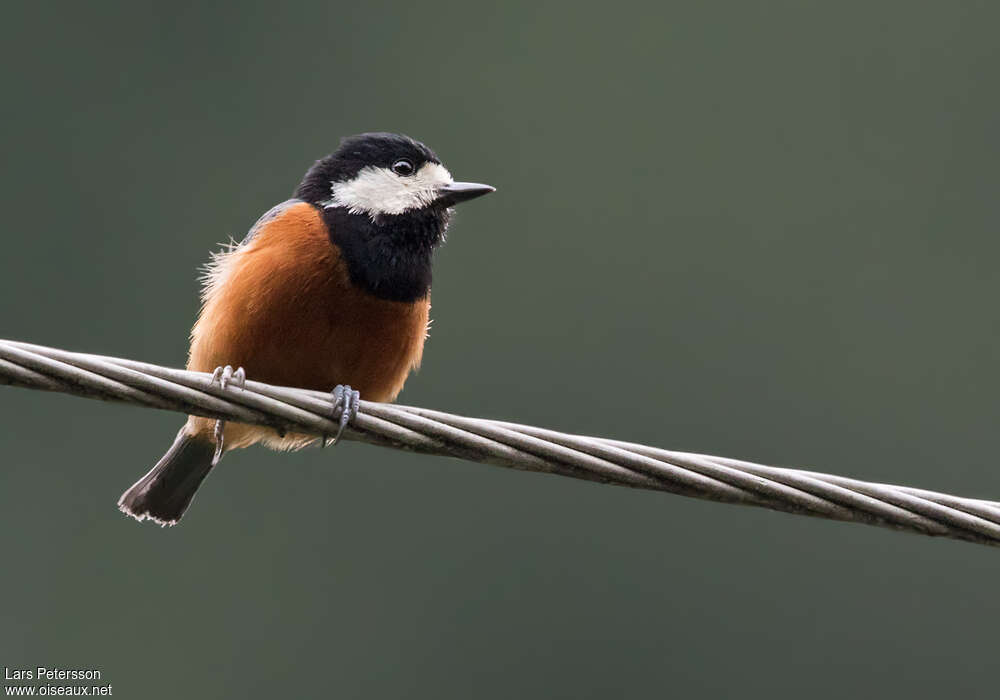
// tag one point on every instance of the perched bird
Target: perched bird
(328, 291)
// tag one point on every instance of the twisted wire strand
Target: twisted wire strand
(506, 444)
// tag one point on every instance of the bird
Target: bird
(329, 291)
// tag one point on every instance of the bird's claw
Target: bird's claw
(346, 402)
(226, 376)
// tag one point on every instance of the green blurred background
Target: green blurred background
(763, 230)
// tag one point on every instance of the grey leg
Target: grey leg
(225, 376)
(346, 402)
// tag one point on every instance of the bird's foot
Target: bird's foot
(345, 408)
(226, 376)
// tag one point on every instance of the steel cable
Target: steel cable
(506, 444)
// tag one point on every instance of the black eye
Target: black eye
(402, 167)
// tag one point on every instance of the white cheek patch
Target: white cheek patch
(376, 191)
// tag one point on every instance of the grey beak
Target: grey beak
(461, 191)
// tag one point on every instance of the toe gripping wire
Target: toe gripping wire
(345, 404)
(224, 377)
(228, 395)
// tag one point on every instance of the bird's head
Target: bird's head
(386, 201)
(384, 175)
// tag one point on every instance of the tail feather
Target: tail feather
(166, 491)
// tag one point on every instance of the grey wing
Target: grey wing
(263, 220)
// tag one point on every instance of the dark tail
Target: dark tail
(166, 491)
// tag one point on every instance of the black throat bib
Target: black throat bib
(388, 256)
